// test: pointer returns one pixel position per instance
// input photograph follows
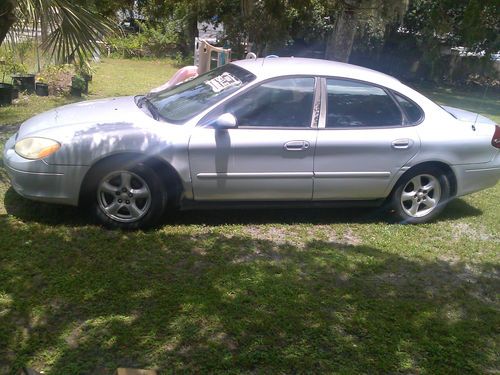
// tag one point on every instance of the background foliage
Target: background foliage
(412, 39)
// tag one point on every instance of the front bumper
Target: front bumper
(37, 180)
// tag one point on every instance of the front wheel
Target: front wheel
(420, 196)
(128, 197)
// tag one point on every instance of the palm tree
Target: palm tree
(72, 32)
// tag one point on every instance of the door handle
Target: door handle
(296, 145)
(402, 143)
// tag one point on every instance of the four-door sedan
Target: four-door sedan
(286, 130)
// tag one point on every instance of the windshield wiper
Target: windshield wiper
(141, 99)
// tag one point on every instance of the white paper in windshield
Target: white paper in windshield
(222, 82)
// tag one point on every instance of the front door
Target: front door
(269, 156)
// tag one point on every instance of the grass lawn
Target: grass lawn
(273, 291)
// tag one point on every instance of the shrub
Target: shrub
(128, 46)
(9, 66)
(58, 77)
(78, 82)
(154, 40)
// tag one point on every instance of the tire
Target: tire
(125, 196)
(420, 195)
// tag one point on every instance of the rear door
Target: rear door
(364, 139)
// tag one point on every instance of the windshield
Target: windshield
(182, 102)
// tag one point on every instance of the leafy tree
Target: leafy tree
(108, 8)
(361, 17)
(469, 23)
(268, 24)
(432, 27)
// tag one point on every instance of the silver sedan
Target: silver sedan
(280, 130)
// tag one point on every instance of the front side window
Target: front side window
(186, 100)
(285, 102)
(354, 104)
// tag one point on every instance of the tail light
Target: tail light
(495, 141)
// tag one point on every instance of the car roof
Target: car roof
(270, 67)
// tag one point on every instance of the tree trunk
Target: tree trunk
(339, 42)
(7, 18)
(191, 32)
(44, 28)
(246, 7)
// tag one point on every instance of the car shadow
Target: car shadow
(53, 214)
(211, 302)
(44, 213)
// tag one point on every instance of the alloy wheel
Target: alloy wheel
(421, 195)
(124, 196)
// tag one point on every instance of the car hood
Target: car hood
(467, 116)
(103, 111)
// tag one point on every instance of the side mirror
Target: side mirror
(225, 121)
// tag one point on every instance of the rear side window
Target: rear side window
(413, 112)
(355, 104)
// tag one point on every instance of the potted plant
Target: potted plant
(41, 87)
(85, 70)
(78, 86)
(57, 77)
(21, 79)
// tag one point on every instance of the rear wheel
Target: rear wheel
(421, 195)
(127, 197)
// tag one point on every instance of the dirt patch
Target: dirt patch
(300, 237)
(271, 243)
(461, 230)
(225, 340)
(74, 336)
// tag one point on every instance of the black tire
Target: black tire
(135, 212)
(420, 205)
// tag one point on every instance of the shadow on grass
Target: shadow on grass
(83, 300)
(29, 211)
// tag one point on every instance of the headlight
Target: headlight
(36, 148)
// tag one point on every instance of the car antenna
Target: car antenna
(479, 108)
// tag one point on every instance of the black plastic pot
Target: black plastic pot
(76, 91)
(5, 94)
(42, 89)
(24, 82)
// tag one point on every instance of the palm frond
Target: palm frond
(73, 31)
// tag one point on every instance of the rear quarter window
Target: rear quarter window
(414, 113)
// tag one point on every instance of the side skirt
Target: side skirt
(197, 205)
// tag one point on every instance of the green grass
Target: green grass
(484, 101)
(245, 291)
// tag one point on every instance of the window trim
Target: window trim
(405, 123)
(315, 113)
